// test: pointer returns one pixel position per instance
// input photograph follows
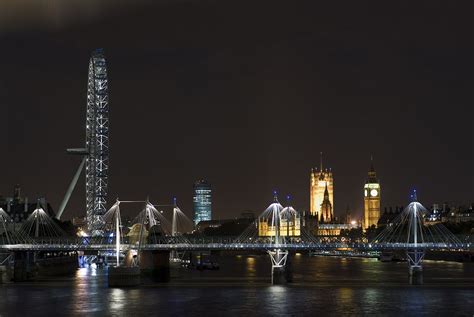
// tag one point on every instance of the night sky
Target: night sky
(245, 94)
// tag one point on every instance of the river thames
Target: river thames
(241, 287)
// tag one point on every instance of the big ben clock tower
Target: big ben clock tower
(371, 199)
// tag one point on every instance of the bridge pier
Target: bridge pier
(415, 267)
(289, 267)
(120, 276)
(155, 265)
(126, 275)
(281, 274)
(24, 268)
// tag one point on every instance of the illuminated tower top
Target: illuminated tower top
(319, 179)
(321, 160)
(275, 196)
(326, 207)
(371, 198)
(372, 179)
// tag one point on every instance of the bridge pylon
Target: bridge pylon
(415, 256)
(278, 255)
(278, 258)
(278, 231)
(411, 231)
(415, 267)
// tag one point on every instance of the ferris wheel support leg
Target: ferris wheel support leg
(70, 189)
(415, 267)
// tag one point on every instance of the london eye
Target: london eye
(96, 151)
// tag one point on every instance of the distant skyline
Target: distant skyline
(245, 95)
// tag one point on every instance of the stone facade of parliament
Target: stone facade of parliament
(320, 179)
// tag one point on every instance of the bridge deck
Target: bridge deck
(238, 246)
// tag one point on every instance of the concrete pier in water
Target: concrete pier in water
(416, 275)
(24, 268)
(122, 276)
(155, 265)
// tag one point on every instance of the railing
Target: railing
(8, 258)
(80, 245)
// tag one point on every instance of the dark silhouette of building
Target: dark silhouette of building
(20, 208)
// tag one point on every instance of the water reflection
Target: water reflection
(322, 285)
(278, 292)
(277, 301)
(117, 300)
(87, 291)
(346, 296)
(371, 295)
(343, 262)
(250, 266)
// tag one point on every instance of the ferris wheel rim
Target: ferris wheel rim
(96, 142)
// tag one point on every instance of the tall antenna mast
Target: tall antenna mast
(321, 161)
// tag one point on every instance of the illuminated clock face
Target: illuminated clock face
(373, 192)
(365, 193)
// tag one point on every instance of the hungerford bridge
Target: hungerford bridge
(152, 232)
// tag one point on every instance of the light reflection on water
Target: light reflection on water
(346, 295)
(324, 285)
(117, 300)
(251, 266)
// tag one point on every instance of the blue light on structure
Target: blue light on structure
(275, 196)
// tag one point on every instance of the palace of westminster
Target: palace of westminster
(321, 218)
(322, 202)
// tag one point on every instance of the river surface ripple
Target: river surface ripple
(322, 286)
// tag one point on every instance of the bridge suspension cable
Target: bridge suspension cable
(278, 225)
(8, 234)
(410, 228)
(41, 227)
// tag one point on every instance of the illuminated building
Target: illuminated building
(331, 228)
(334, 229)
(202, 201)
(326, 207)
(319, 180)
(289, 221)
(288, 227)
(371, 199)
